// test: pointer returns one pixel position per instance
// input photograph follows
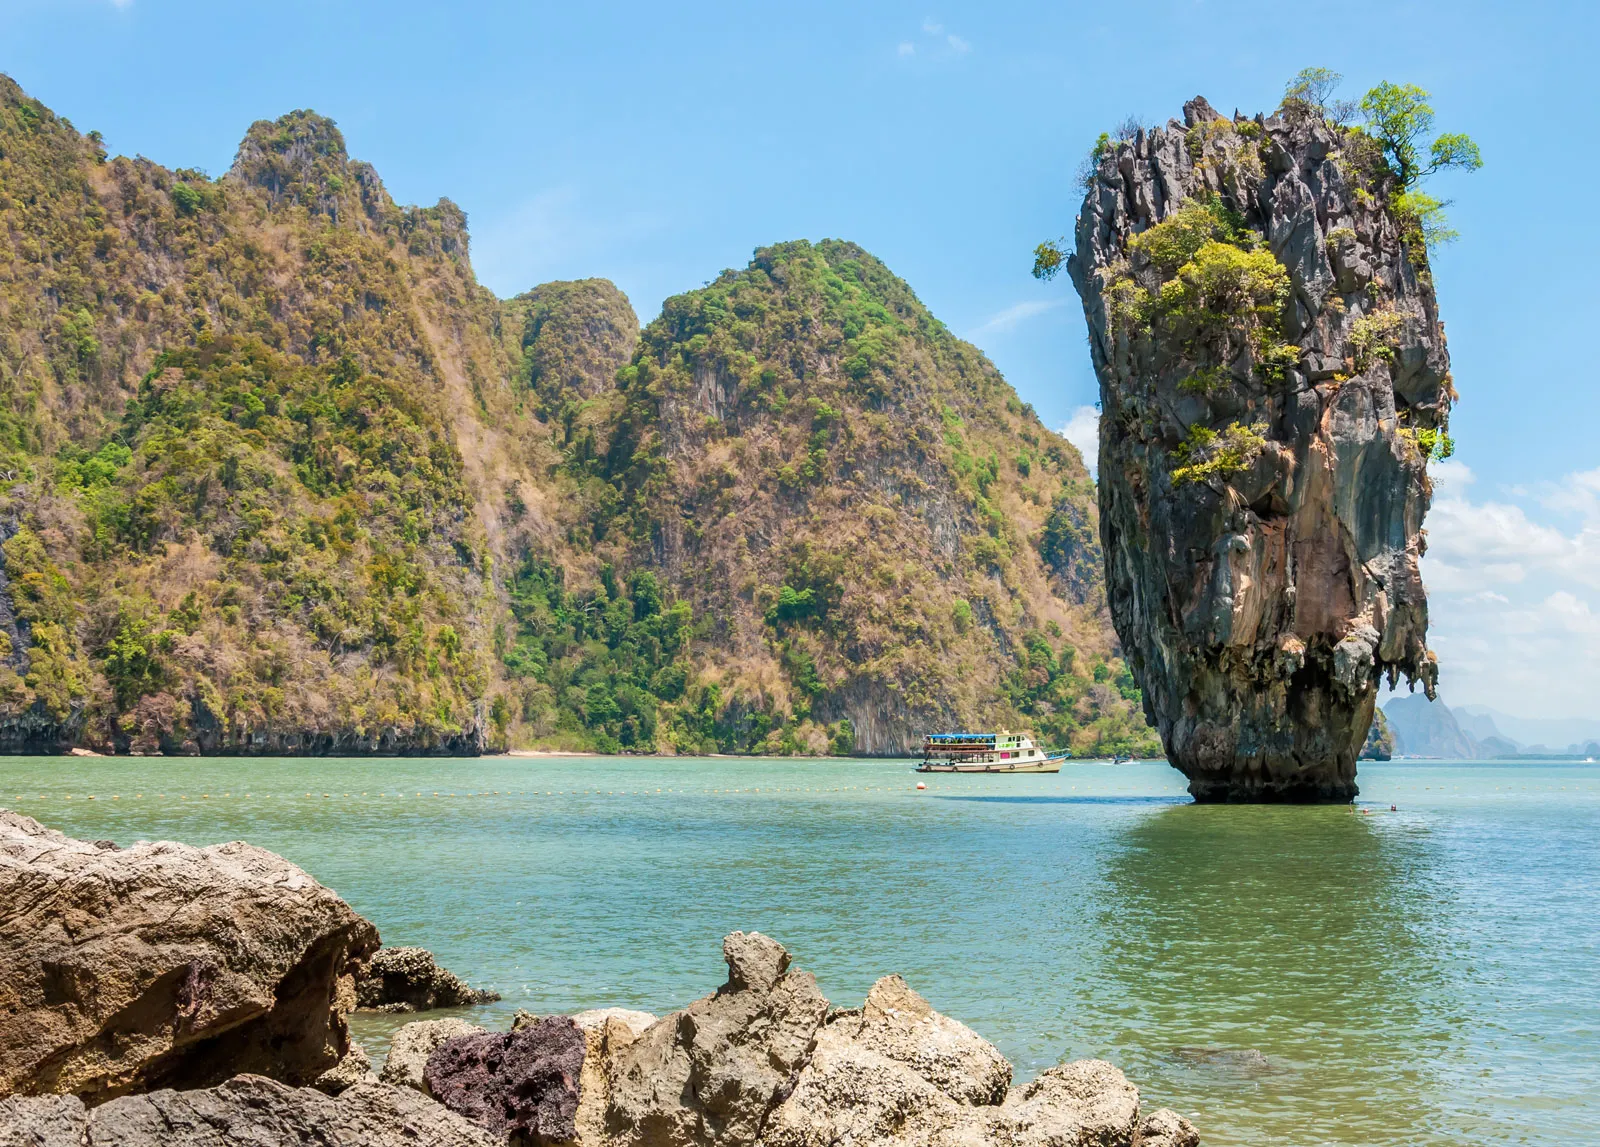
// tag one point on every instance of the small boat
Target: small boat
(986, 753)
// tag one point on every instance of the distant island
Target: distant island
(1423, 728)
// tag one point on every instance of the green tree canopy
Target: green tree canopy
(1400, 117)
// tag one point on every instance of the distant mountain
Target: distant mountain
(1424, 728)
(1556, 734)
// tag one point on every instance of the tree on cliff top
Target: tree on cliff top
(1400, 117)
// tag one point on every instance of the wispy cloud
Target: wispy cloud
(936, 43)
(122, 3)
(1083, 431)
(1013, 316)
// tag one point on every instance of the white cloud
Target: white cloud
(1083, 431)
(1513, 602)
(937, 43)
(1008, 320)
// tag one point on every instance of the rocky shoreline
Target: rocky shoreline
(166, 994)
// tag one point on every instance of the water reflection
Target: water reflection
(1280, 969)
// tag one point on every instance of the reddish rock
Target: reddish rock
(519, 1082)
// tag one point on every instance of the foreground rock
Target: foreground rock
(413, 1044)
(247, 1110)
(409, 980)
(1273, 378)
(764, 1061)
(522, 1083)
(157, 965)
(712, 1072)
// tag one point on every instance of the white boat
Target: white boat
(986, 753)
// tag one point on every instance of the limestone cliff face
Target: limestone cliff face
(1273, 377)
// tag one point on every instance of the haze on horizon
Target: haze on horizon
(656, 148)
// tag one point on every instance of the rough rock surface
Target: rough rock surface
(712, 1072)
(355, 1067)
(763, 1062)
(409, 980)
(897, 1023)
(247, 1110)
(1166, 1128)
(1261, 600)
(523, 1082)
(164, 964)
(411, 1046)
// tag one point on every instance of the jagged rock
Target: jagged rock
(1262, 592)
(898, 1023)
(712, 1072)
(411, 1046)
(635, 1021)
(593, 1019)
(408, 980)
(522, 1082)
(165, 965)
(246, 1110)
(849, 1093)
(355, 1067)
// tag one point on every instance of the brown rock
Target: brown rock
(246, 1110)
(409, 980)
(852, 1094)
(414, 1043)
(523, 1082)
(712, 1072)
(898, 1023)
(162, 964)
(1166, 1128)
(355, 1067)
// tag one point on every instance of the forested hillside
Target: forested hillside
(278, 475)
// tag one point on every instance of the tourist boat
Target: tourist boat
(986, 753)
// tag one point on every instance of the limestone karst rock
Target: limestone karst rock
(410, 980)
(1273, 378)
(127, 969)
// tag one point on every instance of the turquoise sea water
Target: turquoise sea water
(1422, 976)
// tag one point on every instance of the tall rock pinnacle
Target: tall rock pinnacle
(1273, 380)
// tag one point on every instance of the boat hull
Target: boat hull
(1046, 765)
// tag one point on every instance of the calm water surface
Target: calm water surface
(1287, 975)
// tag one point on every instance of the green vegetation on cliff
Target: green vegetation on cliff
(278, 475)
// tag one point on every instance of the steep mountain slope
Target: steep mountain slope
(873, 527)
(278, 475)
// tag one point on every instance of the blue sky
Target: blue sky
(656, 144)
